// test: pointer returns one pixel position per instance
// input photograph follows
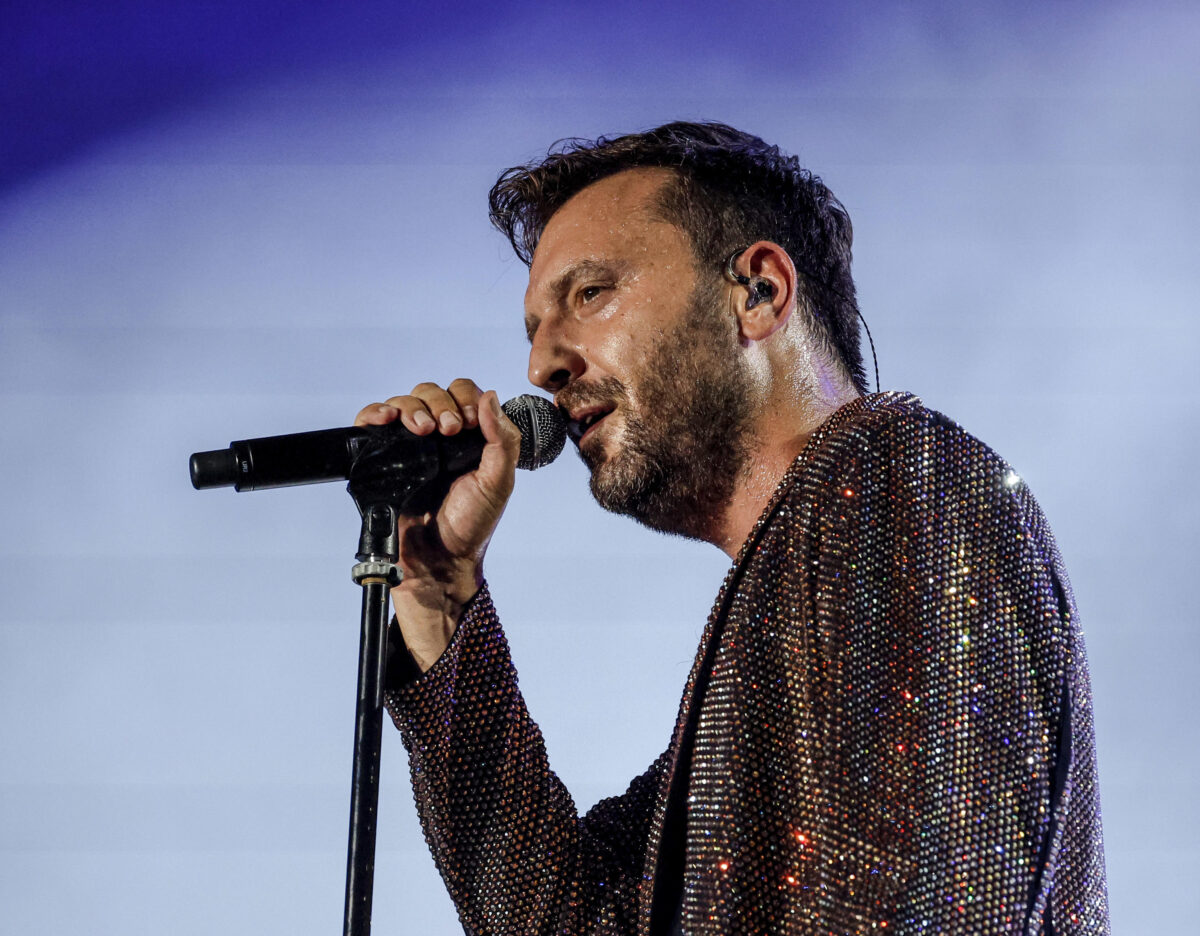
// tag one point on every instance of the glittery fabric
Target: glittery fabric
(887, 729)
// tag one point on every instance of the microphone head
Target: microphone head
(543, 431)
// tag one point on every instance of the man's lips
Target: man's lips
(582, 421)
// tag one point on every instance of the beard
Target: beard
(681, 460)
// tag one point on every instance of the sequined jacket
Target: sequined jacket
(887, 729)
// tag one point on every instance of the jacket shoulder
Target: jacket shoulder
(901, 426)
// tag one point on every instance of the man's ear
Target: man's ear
(768, 297)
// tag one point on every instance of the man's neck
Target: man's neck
(778, 442)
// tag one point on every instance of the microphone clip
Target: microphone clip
(391, 476)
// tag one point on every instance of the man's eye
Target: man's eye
(588, 293)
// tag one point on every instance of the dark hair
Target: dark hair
(730, 190)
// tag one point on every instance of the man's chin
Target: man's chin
(626, 481)
(606, 484)
(632, 489)
(596, 452)
(612, 483)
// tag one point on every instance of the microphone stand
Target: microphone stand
(385, 481)
(391, 474)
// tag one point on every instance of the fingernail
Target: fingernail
(449, 420)
(385, 409)
(469, 413)
(423, 420)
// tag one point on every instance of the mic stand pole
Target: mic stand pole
(383, 484)
(376, 573)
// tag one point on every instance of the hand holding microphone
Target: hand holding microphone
(467, 515)
(447, 458)
(441, 552)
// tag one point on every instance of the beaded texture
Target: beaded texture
(887, 729)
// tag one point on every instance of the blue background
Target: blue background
(221, 220)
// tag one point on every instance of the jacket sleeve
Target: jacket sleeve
(503, 829)
(949, 644)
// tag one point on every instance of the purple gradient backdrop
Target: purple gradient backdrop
(221, 220)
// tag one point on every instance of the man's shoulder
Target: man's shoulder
(887, 458)
(898, 428)
(887, 462)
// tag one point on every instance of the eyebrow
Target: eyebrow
(580, 269)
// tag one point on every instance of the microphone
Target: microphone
(415, 461)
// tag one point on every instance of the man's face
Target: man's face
(641, 356)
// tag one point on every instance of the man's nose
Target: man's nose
(554, 361)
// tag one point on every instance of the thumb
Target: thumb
(502, 446)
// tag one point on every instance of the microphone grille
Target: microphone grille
(543, 432)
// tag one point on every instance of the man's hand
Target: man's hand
(441, 554)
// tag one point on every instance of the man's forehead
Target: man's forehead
(607, 216)
(627, 197)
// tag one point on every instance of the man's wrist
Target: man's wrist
(428, 612)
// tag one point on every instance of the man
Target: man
(888, 724)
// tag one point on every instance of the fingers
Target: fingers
(428, 407)
(376, 414)
(466, 396)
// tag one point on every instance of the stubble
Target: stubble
(682, 457)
